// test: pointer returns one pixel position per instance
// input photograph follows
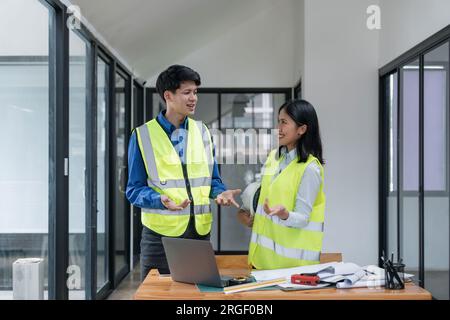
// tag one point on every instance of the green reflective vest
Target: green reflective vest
(273, 245)
(168, 176)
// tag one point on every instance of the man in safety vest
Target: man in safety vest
(172, 171)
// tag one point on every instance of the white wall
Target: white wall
(406, 23)
(256, 53)
(299, 40)
(340, 80)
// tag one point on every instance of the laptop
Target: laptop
(193, 261)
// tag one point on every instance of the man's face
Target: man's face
(184, 100)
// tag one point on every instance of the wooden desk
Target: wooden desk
(155, 287)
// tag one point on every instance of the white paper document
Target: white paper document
(343, 275)
(324, 270)
(289, 285)
(369, 277)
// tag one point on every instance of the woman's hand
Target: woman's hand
(278, 210)
(172, 206)
(245, 217)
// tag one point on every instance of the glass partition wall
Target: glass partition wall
(25, 125)
(414, 162)
(65, 125)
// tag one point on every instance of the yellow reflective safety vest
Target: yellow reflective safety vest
(167, 175)
(274, 245)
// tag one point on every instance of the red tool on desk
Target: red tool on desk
(305, 279)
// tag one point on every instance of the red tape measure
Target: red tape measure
(305, 279)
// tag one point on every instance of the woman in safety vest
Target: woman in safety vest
(287, 227)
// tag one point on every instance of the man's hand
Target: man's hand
(169, 204)
(245, 217)
(226, 198)
(279, 210)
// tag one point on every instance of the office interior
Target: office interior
(77, 76)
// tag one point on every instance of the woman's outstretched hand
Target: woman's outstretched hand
(278, 210)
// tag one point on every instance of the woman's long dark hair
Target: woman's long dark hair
(302, 112)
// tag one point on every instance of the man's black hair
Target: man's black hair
(171, 78)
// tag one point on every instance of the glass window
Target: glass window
(242, 111)
(409, 212)
(249, 112)
(24, 128)
(207, 111)
(436, 100)
(158, 105)
(102, 103)
(121, 205)
(137, 119)
(403, 212)
(391, 100)
(410, 123)
(255, 110)
(77, 167)
(137, 114)
(436, 106)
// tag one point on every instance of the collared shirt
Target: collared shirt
(176, 136)
(138, 192)
(307, 191)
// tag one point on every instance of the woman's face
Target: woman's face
(288, 131)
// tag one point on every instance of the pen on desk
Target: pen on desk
(395, 274)
(369, 272)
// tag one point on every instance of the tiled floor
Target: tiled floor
(128, 286)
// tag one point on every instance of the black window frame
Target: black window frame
(106, 289)
(139, 109)
(119, 275)
(416, 53)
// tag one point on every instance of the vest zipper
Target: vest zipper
(188, 187)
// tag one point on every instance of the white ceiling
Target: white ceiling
(150, 34)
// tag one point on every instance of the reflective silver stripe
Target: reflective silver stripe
(148, 151)
(292, 253)
(314, 226)
(176, 183)
(180, 183)
(207, 145)
(167, 212)
(154, 180)
(311, 226)
(201, 209)
(198, 209)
